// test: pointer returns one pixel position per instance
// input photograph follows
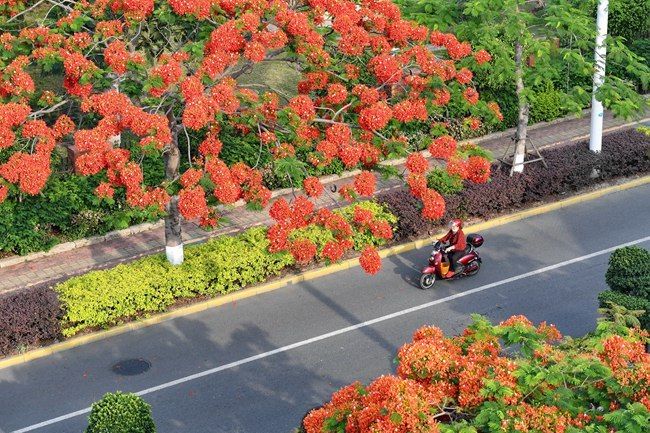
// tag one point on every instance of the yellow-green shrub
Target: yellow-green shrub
(221, 265)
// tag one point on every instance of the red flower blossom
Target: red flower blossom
(482, 56)
(280, 210)
(365, 183)
(104, 190)
(443, 147)
(478, 169)
(334, 250)
(381, 229)
(191, 178)
(303, 251)
(442, 97)
(303, 106)
(457, 167)
(370, 260)
(375, 117)
(4, 191)
(473, 122)
(362, 216)
(494, 107)
(417, 183)
(417, 163)
(464, 76)
(312, 186)
(336, 93)
(471, 95)
(386, 68)
(349, 155)
(434, 205)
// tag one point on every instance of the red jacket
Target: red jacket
(457, 240)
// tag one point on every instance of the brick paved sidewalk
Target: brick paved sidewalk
(60, 266)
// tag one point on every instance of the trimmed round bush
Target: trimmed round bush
(629, 271)
(120, 413)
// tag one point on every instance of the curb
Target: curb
(306, 276)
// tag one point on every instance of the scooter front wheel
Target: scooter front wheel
(427, 281)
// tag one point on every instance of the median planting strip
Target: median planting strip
(312, 274)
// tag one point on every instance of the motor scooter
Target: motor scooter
(439, 262)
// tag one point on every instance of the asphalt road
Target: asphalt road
(257, 365)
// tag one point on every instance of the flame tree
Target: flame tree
(165, 72)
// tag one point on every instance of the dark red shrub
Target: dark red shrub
(501, 193)
(569, 168)
(410, 224)
(27, 318)
(625, 153)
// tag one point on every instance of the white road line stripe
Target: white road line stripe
(341, 331)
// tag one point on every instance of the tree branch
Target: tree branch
(29, 9)
(51, 109)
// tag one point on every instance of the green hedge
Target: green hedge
(221, 265)
(629, 302)
(120, 413)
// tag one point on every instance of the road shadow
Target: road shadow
(270, 394)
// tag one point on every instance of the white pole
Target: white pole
(597, 112)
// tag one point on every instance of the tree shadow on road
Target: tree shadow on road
(268, 395)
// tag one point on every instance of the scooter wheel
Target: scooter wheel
(427, 281)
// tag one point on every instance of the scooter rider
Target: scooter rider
(457, 244)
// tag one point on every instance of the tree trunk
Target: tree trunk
(522, 119)
(115, 140)
(173, 238)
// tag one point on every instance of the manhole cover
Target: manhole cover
(131, 367)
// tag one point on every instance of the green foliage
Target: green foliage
(466, 150)
(221, 265)
(242, 148)
(629, 19)
(66, 209)
(630, 303)
(559, 36)
(546, 105)
(634, 418)
(629, 271)
(120, 413)
(446, 184)
(620, 315)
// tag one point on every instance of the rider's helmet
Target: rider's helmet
(456, 222)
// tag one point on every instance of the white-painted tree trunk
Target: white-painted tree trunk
(522, 118)
(173, 228)
(600, 54)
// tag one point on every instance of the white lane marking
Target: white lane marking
(341, 331)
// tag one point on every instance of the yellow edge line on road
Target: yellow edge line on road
(309, 275)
